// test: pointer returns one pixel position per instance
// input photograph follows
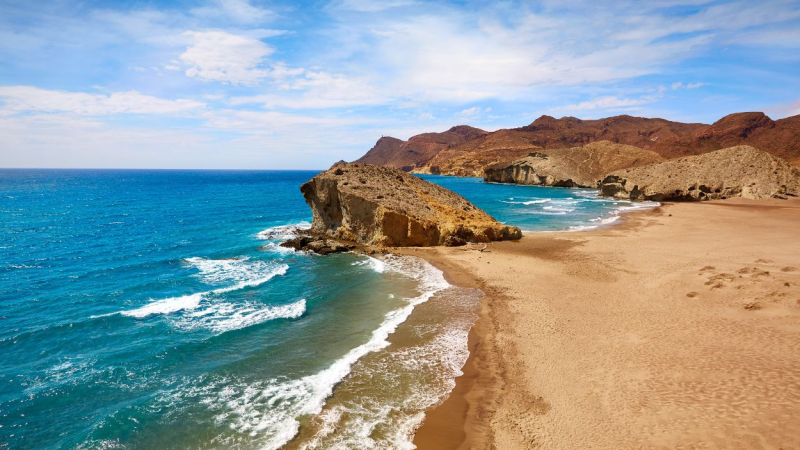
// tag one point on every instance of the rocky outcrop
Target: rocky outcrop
(418, 150)
(317, 244)
(384, 206)
(574, 167)
(741, 171)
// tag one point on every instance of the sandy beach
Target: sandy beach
(677, 328)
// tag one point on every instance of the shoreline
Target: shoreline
(502, 399)
(459, 421)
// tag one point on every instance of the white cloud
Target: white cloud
(474, 112)
(680, 85)
(238, 10)
(18, 99)
(171, 67)
(225, 57)
(370, 5)
(608, 103)
(303, 89)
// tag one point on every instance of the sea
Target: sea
(144, 309)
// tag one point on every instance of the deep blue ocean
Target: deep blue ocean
(154, 309)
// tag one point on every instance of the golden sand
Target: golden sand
(679, 328)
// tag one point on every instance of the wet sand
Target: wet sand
(678, 328)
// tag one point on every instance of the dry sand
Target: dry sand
(679, 328)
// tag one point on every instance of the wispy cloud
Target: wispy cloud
(21, 99)
(253, 80)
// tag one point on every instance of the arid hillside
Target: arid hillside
(466, 151)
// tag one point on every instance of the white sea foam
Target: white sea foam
(269, 411)
(166, 306)
(218, 315)
(528, 202)
(353, 422)
(614, 215)
(282, 232)
(374, 263)
(226, 316)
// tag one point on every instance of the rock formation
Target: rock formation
(741, 171)
(574, 167)
(384, 206)
(317, 244)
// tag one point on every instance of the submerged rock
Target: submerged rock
(741, 171)
(384, 206)
(572, 167)
(317, 244)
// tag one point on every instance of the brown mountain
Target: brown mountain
(469, 153)
(418, 150)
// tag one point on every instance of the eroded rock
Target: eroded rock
(384, 206)
(573, 167)
(741, 171)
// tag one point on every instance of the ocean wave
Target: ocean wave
(374, 263)
(614, 215)
(165, 306)
(283, 232)
(558, 209)
(239, 272)
(528, 202)
(271, 410)
(225, 316)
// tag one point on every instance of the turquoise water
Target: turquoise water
(537, 208)
(153, 309)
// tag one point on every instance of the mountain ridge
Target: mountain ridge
(466, 151)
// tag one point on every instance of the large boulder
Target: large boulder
(379, 205)
(741, 171)
(573, 167)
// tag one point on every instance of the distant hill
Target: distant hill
(465, 150)
(418, 150)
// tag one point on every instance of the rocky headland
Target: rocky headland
(741, 171)
(574, 167)
(386, 207)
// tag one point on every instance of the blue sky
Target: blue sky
(291, 85)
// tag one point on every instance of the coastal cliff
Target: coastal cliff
(741, 171)
(575, 167)
(384, 206)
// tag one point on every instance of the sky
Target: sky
(252, 84)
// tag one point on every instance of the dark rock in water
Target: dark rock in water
(317, 244)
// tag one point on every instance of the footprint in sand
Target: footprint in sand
(789, 269)
(764, 261)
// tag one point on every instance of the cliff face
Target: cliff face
(475, 150)
(741, 171)
(376, 205)
(418, 150)
(575, 167)
(470, 158)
